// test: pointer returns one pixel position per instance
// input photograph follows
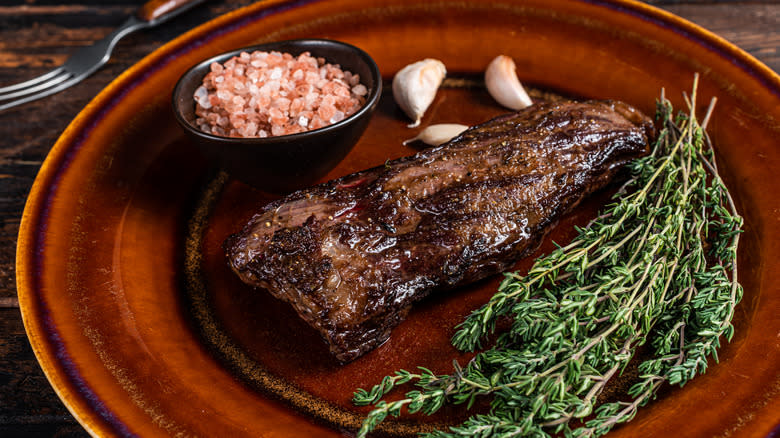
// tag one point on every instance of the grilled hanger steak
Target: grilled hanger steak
(353, 254)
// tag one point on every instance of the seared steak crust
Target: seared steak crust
(353, 254)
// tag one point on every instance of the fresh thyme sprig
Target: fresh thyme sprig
(658, 267)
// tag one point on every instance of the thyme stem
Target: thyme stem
(659, 267)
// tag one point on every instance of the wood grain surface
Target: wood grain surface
(37, 35)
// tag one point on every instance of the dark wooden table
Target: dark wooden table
(37, 35)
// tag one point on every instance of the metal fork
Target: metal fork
(86, 60)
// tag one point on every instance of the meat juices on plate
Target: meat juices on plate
(351, 255)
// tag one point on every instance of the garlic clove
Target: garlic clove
(435, 135)
(415, 86)
(502, 83)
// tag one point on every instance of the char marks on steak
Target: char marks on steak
(353, 254)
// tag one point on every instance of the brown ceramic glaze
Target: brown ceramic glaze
(142, 330)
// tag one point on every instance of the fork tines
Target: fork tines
(35, 88)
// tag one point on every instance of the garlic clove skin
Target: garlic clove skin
(415, 86)
(502, 83)
(435, 135)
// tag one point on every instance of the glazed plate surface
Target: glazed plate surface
(143, 330)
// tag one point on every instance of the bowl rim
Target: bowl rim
(372, 99)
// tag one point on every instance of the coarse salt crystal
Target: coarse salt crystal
(303, 89)
(261, 94)
(326, 112)
(311, 99)
(250, 130)
(296, 106)
(360, 90)
(316, 122)
(337, 117)
(282, 103)
(278, 129)
(202, 97)
(311, 77)
(275, 113)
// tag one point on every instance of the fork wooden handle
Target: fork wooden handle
(160, 10)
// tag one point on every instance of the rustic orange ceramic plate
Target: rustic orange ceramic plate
(142, 330)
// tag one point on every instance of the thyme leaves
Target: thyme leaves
(657, 269)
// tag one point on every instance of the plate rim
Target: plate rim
(35, 210)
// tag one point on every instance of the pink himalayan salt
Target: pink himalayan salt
(272, 93)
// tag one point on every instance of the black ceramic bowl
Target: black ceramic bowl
(288, 162)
